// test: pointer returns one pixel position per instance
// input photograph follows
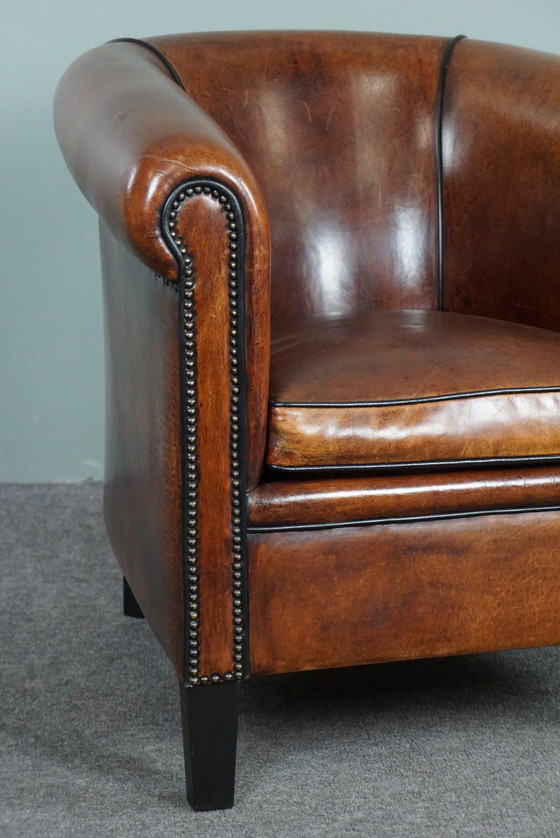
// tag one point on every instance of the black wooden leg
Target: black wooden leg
(130, 606)
(209, 715)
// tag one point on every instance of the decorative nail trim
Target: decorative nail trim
(237, 442)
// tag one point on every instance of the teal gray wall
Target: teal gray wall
(51, 370)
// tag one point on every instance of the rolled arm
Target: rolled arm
(130, 135)
(188, 372)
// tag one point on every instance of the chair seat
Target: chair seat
(423, 388)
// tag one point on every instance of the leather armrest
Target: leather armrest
(131, 137)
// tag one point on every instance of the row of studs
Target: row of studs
(236, 487)
(189, 359)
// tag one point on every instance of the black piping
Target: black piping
(507, 391)
(415, 466)
(169, 66)
(412, 519)
(439, 159)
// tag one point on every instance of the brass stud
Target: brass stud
(189, 361)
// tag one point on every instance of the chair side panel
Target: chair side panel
(142, 502)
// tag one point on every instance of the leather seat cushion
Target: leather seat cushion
(395, 388)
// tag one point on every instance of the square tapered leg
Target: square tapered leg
(209, 716)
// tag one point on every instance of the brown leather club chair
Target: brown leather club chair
(331, 268)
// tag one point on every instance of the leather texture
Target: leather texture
(331, 501)
(130, 137)
(143, 485)
(501, 173)
(328, 141)
(339, 131)
(360, 595)
(201, 221)
(401, 387)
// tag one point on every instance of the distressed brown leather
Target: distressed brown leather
(337, 597)
(501, 176)
(338, 129)
(142, 500)
(202, 221)
(130, 136)
(338, 500)
(329, 142)
(397, 387)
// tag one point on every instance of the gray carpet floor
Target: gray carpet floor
(90, 733)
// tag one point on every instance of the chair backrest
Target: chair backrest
(501, 183)
(339, 129)
(342, 133)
